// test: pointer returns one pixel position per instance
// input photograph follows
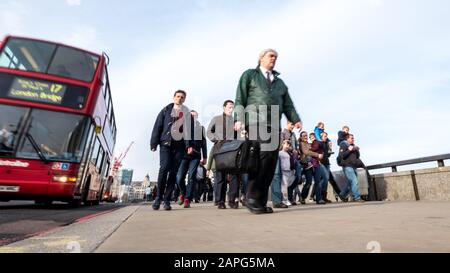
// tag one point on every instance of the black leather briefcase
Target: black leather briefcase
(237, 156)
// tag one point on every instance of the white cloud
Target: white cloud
(72, 3)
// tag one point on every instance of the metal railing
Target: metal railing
(438, 158)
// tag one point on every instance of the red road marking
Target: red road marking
(43, 233)
(94, 215)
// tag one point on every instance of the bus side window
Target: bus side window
(104, 84)
(95, 151)
(106, 165)
(108, 98)
(99, 162)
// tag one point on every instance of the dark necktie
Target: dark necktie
(269, 81)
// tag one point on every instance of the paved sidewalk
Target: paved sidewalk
(350, 227)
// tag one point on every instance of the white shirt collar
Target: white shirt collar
(264, 71)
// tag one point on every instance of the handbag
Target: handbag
(237, 156)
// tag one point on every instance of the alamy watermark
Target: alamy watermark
(258, 123)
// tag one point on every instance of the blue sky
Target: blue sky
(381, 67)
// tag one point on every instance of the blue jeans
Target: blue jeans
(319, 181)
(352, 177)
(188, 165)
(277, 196)
(326, 175)
(298, 178)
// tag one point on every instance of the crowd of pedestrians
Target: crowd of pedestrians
(288, 169)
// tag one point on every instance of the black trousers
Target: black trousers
(333, 183)
(259, 182)
(222, 182)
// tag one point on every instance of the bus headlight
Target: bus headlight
(65, 179)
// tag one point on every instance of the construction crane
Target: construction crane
(110, 191)
(117, 163)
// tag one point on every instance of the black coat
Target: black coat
(162, 130)
(326, 153)
(198, 142)
(350, 158)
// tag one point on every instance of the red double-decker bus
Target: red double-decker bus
(57, 125)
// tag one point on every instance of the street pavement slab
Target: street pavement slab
(391, 227)
(372, 227)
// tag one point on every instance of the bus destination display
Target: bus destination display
(39, 91)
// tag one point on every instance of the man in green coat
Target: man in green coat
(261, 99)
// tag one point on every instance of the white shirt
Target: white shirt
(264, 71)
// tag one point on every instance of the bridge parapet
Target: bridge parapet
(417, 185)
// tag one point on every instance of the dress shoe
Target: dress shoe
(156, 206)
(221, 206)
(256, 208)
(167, 207)
(343, 199)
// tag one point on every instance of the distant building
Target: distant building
(125, 176)
(148, 183)
(135, 191)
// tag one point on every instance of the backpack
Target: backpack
(339, 159)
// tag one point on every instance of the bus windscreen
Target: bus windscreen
(26, 132)
(48, 58)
